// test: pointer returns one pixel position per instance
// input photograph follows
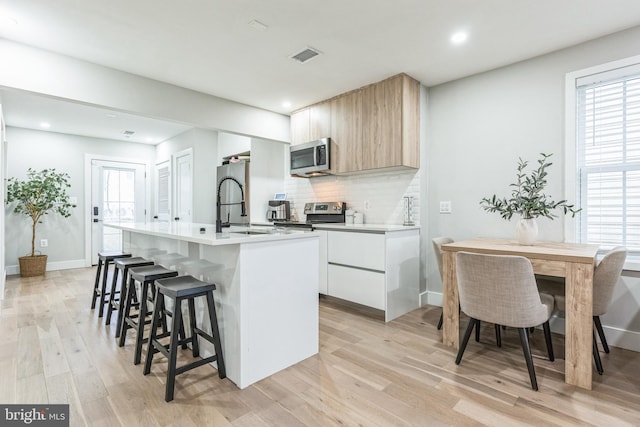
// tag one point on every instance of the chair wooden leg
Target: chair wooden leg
(440, 321)
(137, 354)
(126, 311)
(478, 331)
(596, 356)
(103, 288)
(465, 340)
(498, 335)
(526, 349)
(547, 338)
(217, 340)
(603, 339)
(195, 346)
(96, 291)
(173, 350)
(156, 319)
(112, 295)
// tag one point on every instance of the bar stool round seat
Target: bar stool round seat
(105, 258)
(146, 276)
(180, 289)
(122, 266)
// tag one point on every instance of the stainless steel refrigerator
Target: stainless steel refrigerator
(231, 192)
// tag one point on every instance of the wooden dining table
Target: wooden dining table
(574, 262)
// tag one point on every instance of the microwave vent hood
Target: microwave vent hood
(310, 159)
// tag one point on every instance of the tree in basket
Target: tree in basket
(39, 194)
(528, 200)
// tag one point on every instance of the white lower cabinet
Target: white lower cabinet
(353, 284)
(375, 269)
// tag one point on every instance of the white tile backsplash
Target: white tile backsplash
(384, 190)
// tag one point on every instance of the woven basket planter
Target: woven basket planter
(32, 265)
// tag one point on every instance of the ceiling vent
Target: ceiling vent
(305, 55)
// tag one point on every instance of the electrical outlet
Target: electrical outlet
(44, 243)
(445, 207)
(367, 205)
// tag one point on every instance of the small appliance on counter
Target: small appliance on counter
(319, 213)
(278, 210)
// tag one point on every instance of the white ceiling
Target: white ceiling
(209, 46)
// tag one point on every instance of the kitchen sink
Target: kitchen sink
(251, 232)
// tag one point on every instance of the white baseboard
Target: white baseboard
(616, 337)
(431, 298)
(51, 266)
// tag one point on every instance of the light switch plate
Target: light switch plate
(445, 207)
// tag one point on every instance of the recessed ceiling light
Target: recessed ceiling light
(45, 125)
(286, 104)
(459, 37)
(149, 139)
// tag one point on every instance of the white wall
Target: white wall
(479, 127)
(229, 144)
(66, 153)
(267, 175)
(204, 144)
(64, 77)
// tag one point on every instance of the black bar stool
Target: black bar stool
(146, 275)
(117, 303)
(100, 290)
(180, 289)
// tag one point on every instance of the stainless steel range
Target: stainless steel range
(318, 213)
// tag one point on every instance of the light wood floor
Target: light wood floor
(54, 349)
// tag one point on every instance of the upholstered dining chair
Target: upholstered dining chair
(437, 249)
(501, 289)
(605, 276)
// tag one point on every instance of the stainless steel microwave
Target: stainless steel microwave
(311, 158)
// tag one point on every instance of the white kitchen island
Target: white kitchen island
(266, 296)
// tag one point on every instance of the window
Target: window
(607, 155)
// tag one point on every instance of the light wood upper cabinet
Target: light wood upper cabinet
(346, 132)
(320, 121)
(300, 126)
(311, 123)
(390, 128)
(377, 126)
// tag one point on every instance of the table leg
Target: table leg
(450, 302)
(579, 324)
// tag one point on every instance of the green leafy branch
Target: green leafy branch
(39, 194)
(527, 197)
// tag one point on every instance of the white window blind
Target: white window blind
(163, 176)
(608, 142)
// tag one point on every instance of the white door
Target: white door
(117, 195)
(183, 186)
(163, 192)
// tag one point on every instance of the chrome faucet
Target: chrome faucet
(218, 203)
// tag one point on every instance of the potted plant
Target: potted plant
(39, 194)
(528, 200)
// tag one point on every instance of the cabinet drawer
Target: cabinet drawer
(355, 285)
(364, 250)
